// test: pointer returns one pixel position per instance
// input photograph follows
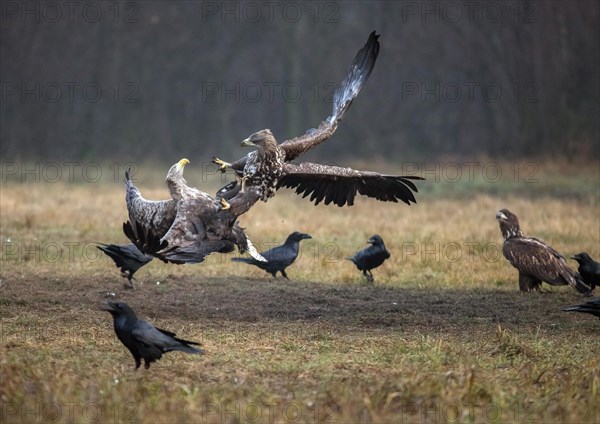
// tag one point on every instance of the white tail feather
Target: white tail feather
(253, 252)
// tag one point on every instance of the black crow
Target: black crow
(127, 257)
(535, 260)
(588, 269)
(370, 257)
(141, 338)
(280, 257)
(591, 307)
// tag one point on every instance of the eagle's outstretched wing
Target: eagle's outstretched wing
(344, 95)
(149, 220)
(340, 185)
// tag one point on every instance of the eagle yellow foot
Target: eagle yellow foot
(244, 179)
(224, 204)
(222, 164)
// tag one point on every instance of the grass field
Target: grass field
(443, 335)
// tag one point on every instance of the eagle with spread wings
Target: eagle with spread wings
(185, 228)
(263, 171)
(535, 260)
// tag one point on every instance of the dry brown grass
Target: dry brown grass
(443, 334)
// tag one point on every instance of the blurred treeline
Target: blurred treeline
(161, 80)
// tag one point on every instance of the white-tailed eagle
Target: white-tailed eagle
(183, 229)
(263, 171)
(535, 260)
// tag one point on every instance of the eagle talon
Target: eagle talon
(222, 164)
(244, 180)
(224, 204)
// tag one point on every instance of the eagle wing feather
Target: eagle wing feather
(344, 95)
(534, 257)
(338, 185)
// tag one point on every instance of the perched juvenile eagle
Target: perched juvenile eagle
(263, 171)
(589, 269)
(534, 259)
(279, 257)
(185, 228)
(370, 257)
(591, 307)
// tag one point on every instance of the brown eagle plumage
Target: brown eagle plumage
(183, 229)
(535, 260)
(263, 171)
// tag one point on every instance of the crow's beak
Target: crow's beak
(107, 306)
(306, 236)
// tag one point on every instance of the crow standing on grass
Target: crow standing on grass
(588, 269)
(127, 257)
(591, 307)
(534, 259)
(370, 257)
(280, 257)
(143, 340)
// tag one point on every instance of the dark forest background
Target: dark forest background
(165, 79)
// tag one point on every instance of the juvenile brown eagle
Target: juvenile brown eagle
(185, 228)
(263, 171)
(534, 259)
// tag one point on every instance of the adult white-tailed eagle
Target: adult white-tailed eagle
(263, 171)
(183, 229)
(534, 259)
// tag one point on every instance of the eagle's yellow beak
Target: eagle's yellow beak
(183, 162)
(247, 142)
